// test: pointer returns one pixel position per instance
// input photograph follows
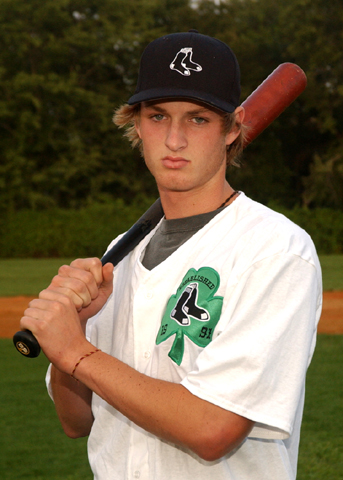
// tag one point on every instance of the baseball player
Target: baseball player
(188, 360)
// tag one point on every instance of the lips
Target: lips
(174, 162)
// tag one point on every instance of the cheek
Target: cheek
(150, 138)
(214, 147)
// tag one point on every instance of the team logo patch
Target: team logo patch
(193, 311)
(183, 62)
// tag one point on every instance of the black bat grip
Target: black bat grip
(26, 343)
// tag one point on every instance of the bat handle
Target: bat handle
(26, 343)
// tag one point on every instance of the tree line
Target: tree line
(65, 65)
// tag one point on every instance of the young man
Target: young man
(198, 342)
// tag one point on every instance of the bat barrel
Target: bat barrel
(272, 97)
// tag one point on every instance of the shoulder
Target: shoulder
(254, 214)
(264, 232)
(251, 211)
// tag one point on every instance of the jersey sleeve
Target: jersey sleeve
(257, 362)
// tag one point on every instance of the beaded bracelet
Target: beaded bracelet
(78, 363)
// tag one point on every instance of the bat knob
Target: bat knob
(26, 344)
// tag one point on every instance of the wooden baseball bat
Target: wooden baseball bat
(265, 104)
(272, 97)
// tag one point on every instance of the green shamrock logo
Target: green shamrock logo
(193, 311)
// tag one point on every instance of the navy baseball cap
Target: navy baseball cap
(189, 65)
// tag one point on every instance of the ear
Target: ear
(137, 127)
(233, 134)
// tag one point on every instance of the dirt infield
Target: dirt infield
(12, 308)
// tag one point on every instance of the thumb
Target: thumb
(107, 275)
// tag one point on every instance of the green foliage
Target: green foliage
(89, 230)
(65, 65)
(280, 165)
(66, 233)
(324, 184)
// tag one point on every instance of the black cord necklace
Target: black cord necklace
(228, 199)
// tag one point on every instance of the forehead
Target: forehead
(181, 105)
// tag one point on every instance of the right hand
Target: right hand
(86, 282)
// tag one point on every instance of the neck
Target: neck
(187, 204)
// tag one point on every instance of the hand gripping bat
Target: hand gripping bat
(265, 104)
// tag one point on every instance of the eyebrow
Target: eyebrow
(196, 111)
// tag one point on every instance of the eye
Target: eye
(157, 117)
(199, 120)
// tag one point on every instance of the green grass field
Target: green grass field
(332, 269)
(27, 276)
(32, 443)
(33, 446)
(321, 445)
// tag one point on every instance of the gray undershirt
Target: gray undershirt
(171, 234)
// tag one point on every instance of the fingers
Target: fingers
(55, 304)
(81, 281)
(56, 325)
(79, 301)
(41, 312)
(91, 265)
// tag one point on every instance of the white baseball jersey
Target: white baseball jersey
(232, 316)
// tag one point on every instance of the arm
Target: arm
(165, 409)
(73, 404)
(73, 399)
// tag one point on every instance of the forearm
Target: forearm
(73, 404)
(58, 320)
(165, 409)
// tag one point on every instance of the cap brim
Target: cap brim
(165, 93)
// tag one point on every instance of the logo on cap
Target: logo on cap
(183, 62)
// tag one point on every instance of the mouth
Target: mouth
(174, 162)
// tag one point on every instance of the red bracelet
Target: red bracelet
(78, 363)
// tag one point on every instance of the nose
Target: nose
(176, 136)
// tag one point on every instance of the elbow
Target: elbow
(75, 432)
(75, 435)
(212, 450)
(216, 443)
(76, 428)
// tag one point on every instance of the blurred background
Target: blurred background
(65, 66)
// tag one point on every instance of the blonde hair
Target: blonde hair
(126, 116)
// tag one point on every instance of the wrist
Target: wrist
(92, 352)
(66, 359)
